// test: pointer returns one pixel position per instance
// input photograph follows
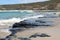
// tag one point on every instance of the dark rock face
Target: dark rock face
(24, 38)
(39, 35)
(40, 21)
(2, 39)
(20, 24)
(23, 24)
(30, 23)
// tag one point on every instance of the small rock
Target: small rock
(44, 35)
(39, 35)
(25, 39)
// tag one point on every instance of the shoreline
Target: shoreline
(53, 31)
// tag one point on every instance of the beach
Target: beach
(50, 31)
(53, 31)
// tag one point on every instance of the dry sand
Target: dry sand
(53, 31)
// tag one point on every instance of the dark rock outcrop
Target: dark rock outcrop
(24, 39)
(39, 35)
(29, 23)
(22, 24)
(44, 35)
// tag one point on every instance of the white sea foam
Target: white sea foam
(9, 21)
(14, 20)
(16, 11)
(26, 11)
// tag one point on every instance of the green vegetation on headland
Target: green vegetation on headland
(48, 5)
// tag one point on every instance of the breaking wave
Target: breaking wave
(14, 20)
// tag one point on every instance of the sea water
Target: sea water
(11, 17)
(8, 18)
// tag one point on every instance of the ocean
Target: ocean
(14, 16)
(11, 17)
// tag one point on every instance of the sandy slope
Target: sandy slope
(53, 31)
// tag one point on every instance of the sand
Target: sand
(53, 31)
(3, 33)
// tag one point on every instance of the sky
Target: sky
(3, 2)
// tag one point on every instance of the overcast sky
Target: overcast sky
(2, 2)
